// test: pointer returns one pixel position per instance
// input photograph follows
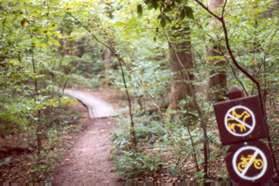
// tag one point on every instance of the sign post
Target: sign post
(250, 162)
(240, 120)
(241, 123)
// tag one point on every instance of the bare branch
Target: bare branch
(255, 81)
(208, 10)
(121, 62)
(88, 30)
(238, 80)
(224, 8)
(244, 71)
(198, 109)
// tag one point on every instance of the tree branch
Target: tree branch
(208, 10)
(245, 72)
(224, 8)
(121, 62)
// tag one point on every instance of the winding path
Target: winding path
(97, 108)
(89, 161)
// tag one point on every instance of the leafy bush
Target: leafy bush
(131, 164)
(147, 131)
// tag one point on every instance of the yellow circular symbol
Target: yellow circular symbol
(250, 163)
(240, 121)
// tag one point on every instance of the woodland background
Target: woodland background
(172, 57)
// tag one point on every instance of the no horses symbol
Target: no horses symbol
(241, 125)
(240, 121)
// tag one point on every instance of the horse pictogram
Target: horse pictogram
(233, 123)
(240, 121)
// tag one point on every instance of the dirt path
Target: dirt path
(89, 161)
(97, 108)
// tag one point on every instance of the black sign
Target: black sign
(240, 120)
(249, 163)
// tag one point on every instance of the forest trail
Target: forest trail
(89, 161)
(97, 108)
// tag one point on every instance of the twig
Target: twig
(253, 79)
(121, 62)
(224, 8)
(208, 10)
(36, 93)
(202, 119)
(194, 153)
(237, 79)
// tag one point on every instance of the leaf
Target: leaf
(139, 10)
(24, 22)
(163, 19)
(5, 161)
(152, 3)
(163, 22)
(188, 12)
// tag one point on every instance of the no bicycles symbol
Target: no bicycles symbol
(249, 163)
(241, 124)
(240, 121)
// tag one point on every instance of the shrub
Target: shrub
(131, 164)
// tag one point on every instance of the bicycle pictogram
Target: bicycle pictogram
(257, 162)
(250, 163)
(240, 121)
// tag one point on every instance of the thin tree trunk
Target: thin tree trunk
(36, 92)
(217, 85)
(182, 86)
(202, 118)
(121, 62)
(180, 49)
(107, 59)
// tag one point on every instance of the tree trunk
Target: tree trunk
(107, 59)
(217, 85)
(181, 62)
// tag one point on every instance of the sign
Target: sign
(240, 120)
(249, 163)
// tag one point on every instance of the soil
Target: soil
(18, 156)
(84, 151)
(90, 161)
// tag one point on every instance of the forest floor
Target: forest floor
(81, 153)
(89, 160)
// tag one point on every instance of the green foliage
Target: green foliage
(148, 131)
(254, 38)
(171, 10)
(131, 164)
(50, 45)
(42, 51)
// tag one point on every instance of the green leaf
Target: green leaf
(139, 10)
(188, 12)
(163, 22)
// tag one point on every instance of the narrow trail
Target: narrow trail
(97, 108)
(89, 161)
